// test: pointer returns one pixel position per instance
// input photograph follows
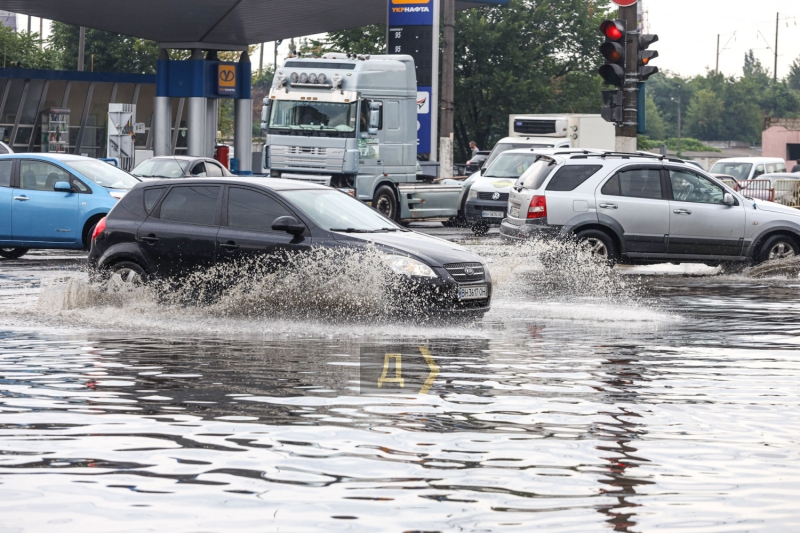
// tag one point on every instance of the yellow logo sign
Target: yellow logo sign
(226, 79)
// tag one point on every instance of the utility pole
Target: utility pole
(626, 132)
(261, 59)
(448, 91)
(81, 48)
(716, 70)
(775, 70)
(678, 100)
(41, 33)
(29, 24)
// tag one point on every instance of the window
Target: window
(213, 170)
(151, 196)
(5, 172)
(759, 171)
(568, 178)
(103, 174)
(321, 119)
(199, 170)
(248, 209)
(364, 117)
(191, 205)
(534, 177)
(636, 183)
(161, 168)
(40, 176)
(333, 210)
(772, 167)
(510, 165)
(740, 171)
(793, 152)
(691, 187)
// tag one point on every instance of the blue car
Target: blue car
(55, 200)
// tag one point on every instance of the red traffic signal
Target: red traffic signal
(613, 51)
(614, 30)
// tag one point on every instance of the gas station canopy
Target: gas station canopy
(215, 24)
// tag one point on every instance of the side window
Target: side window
(151, 196)
(252, 210)
(80, 186)
(5, 172)
(772, 167)
(569, 177)
(759, 171)
(40, 176)
(636, 183)
(191, 205)
(199, 170)
(364, 116)
(213, 170)
(691, 187)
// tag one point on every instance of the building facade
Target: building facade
(781, 138)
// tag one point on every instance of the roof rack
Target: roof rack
(628, 155)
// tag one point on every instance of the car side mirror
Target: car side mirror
(728, 199)
(62, 186)
(374, 118)
(289, 225)
(483, 171)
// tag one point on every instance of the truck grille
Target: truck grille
(307, 150)
(535, 127)
(460, 274)
(488, 196)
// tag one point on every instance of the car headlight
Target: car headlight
(408, 267)
(472, 193)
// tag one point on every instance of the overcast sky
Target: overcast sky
(688, 30)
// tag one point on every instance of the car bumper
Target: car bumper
(431, 298)
(528, 230)
(474, 210)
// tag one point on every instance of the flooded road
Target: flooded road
(648, 398)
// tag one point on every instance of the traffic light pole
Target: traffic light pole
(626, 133)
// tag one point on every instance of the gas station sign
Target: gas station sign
(226, 79)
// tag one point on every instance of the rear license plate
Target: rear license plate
(473, 293)
(514, 211)
(492, 214)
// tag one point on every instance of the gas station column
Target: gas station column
(243, 119)
(196, 118)
(162, 108)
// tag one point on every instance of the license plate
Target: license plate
(514, 212)
(473, 293)
(492, 214)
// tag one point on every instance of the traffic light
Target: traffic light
(645, 56)
(613, 51)
(612, 106)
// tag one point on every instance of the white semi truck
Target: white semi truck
(351, 122)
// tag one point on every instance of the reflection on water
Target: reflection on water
(676, 411)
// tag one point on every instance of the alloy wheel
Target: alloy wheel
(596, 248)
(781, 250)
(125, 279)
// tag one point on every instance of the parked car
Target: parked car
(488, 197)
(475, 162)
(179, 166)
(748, 168)
(641, 208)
(54, 200)
(164, 229)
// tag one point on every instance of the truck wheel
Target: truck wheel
(12, 253)
(777, 247)
(599, 245)
(386, 202)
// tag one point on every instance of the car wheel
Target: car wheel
(385, 202)
(12, 253)
(778, 247)
(126, 275)
(598, 244)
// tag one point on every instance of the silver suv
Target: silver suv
(646, 208)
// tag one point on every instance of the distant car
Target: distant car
(475, 162)
(55, 200)
(179, 166)
(169, 228)
(748, 168)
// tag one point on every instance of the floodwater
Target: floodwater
(650, 398)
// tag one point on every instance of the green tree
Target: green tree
(656, 128)
(704, 118)
(22, 49)
(793, 79)
(111, 52)
(366, 40)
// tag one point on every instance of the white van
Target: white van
(748, 168)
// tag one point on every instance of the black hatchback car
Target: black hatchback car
(168, 228)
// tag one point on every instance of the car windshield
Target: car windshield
(336, 211)
(103, 174)
(313, 116)
(161, 168)
(510, 165)
(504, 147)
(534, 177)
(740, 171)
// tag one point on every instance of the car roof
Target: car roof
(178, 157)
(750, 160)
(793, 175)
(276, 184)
(53, 156)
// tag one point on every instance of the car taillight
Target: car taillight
(99, 228)
(538, 208)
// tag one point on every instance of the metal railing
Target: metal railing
(787, 192)
(758, 189)
(784, 192)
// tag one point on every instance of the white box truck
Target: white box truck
(564, 130)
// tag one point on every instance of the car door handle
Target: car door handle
(608, 206)
(21, 198)
(681, 211)
(150, 239)
(230, 246)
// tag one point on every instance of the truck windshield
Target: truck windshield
(336, 211)
(303, 117)
(510, 165)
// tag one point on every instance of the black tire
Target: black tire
(12, 253)
(777, 247)
(385, 202)
(126, 274)
(599, 245)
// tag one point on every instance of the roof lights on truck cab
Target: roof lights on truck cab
(304, 79)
